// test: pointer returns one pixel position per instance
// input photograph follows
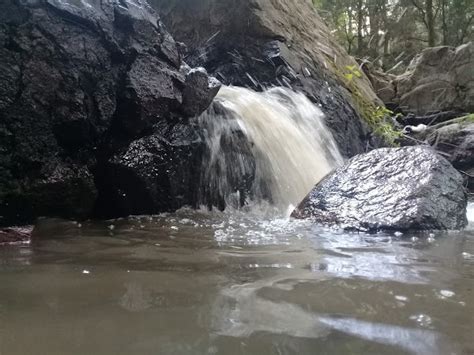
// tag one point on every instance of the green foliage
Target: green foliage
(339, 16)
(468, 118)
(390, 33)
(352, 71)
(378, 118)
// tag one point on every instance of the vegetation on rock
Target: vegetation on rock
(377, 117)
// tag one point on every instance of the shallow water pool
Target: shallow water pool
(233, 283)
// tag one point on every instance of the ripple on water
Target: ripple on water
(223, 279)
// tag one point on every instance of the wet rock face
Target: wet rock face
(199, 91)
(228, 161)
(65, 190)
(175, 167)
(389, 189)
(155, 173)
(78, 80)
(261, 43)
(15, 235)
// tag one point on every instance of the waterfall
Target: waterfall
(270, 145)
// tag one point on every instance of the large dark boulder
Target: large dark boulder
(79, 81)
(389, 189)
(261, 43)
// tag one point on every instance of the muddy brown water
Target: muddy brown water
(234, 283)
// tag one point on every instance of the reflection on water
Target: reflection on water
(416, 341)
(230, 283)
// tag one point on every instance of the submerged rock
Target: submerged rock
(389, 189)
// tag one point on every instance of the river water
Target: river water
(197, 282)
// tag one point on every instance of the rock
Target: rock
(439, 79)
(409, 188)
(383, 84)
(199, 91)
(173, 167)
(155, 173)
(65, 190)
(228, 167)
(260, 43)
(151, 91)
(454, 139)
(79, 81)
(431, 119)
(457, 142)
(14, 235)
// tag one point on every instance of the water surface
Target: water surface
(232, 283)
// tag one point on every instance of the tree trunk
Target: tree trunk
(349, 33)
(443, 19)
(373, 8)
(430, 23)
(386, 38)
(360, 24)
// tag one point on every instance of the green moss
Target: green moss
(468, 119)
(376, 117)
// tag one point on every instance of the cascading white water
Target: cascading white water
(290, 146)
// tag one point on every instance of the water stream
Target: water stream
(199, 282)
(291, 149)
(246, 280)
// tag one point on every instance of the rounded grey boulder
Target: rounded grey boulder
(409, 188)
